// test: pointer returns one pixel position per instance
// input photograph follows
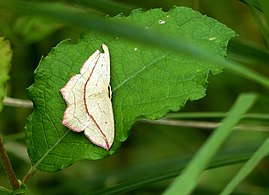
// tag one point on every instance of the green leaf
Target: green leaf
(147, 82)
(5, 64)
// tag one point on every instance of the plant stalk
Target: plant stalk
(8, 167)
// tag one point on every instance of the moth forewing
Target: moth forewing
(89, 107)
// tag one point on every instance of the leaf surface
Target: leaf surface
(147, 82)
(5, 64)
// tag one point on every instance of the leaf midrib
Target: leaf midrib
(139, 71)
(50, 149)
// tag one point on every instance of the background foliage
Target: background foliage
(153, 150)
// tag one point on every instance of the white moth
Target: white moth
(88, 99)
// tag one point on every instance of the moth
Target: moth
(88, 98)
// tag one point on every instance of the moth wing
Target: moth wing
(75, 115)
(89, 106)
(96, 72)
(99, 104)
(101, 132)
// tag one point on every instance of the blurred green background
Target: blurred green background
(151, 149)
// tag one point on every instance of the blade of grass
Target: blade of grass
(253, 3)
(262, 152)
(109, 7)
(265, 8)
(260, 23)
(157, 171)
(136, 33)
(185, 183)
(245, 51)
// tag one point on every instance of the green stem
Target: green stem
(8, 167)
(193, 115)
(29, 175)
(5, 190)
